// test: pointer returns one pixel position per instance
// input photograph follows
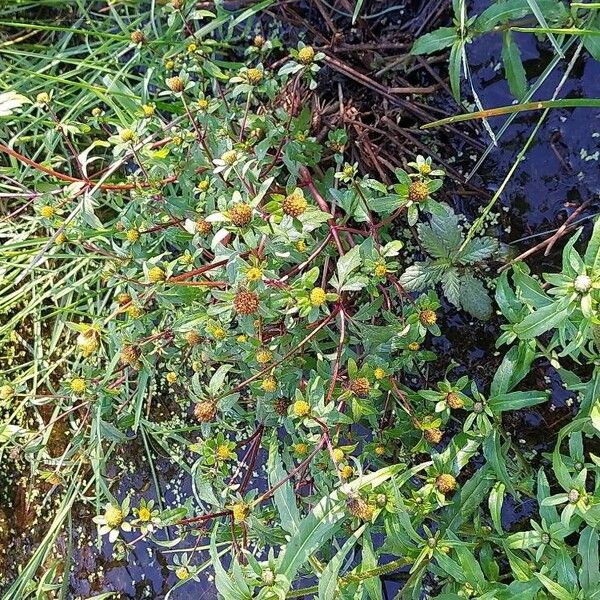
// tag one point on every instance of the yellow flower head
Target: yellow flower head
(193, 338)
(301, 408)
(137, 37)
(380, 270)
(6, 391)
(113, 516)
(88, 341)
(254, 76)
(240, 512)
(300, 448)
(127, 135)
(47, 211)
(133, 235)
(229, 157)
(317, 296)
(338, 455)
(171, 377)
(203, 104)
(428, 318)
(306, 55)
(78, 385)
(156, 274)
(263, 356)
(294, 204)
(148, 110)
(144, 514)
(240, 214)
(175, 84)
(42, 98)
(445, 483)
(379, 373)
(347, 472)
(135, 312)
(254, 274)
(223, 452)
(182, 573)
(269, 384)
(418, 191)
(218, 333)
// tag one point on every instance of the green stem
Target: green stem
(356, 577)
(480, 221)
(516, 108)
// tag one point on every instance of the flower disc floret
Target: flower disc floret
(306, 55)
(113, 516)
(47, 211)
(427, 318)
(229, 157)
(360, 387)
(269, 384)
(294, 204)
(129, 355)
(254, 274)
(203, 227)
(318, 296)
(127, 135)
(6, 391)
(246, 303)
(205, 411)
(301, 408)
(43, 98)
(175, 84)
(137, 37)
(78, 385)
(88, 341)
(445, 483)
(193, 338)
(156, 274)
(240, 214)
(347, 472)
(433, 435)
(454, 401)
(582, 284)
(240, 512)
(418, 191)
(263, 356)
(254, 76)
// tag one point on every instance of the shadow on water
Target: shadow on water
(559, 172)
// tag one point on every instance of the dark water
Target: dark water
(559, 172)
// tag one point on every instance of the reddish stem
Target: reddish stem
(307, 181)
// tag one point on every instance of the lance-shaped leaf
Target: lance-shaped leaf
(328, 584)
